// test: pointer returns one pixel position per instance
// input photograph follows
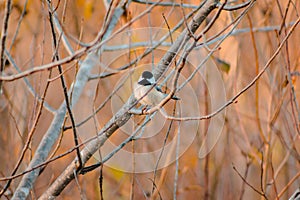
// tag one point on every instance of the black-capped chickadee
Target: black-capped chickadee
(143, 91)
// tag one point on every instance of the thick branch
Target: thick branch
(120, 118)
(123, 115)
(54, 130)
(184, 37)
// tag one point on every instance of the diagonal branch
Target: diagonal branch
(54, 130)
(63, 83)
(184, 37)
(3, 38)
(123, 115)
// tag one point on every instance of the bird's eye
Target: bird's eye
(147, 75)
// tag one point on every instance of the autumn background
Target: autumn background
(248, 150)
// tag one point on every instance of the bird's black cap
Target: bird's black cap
(147, 75)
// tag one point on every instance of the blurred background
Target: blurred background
(251, 148)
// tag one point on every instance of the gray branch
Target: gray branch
(123, 115)
(54, 130)
(182, 39)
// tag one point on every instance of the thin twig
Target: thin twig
(29, 86)
(95, 111)
(18, 26)
(237, 21)
(216, 37)
(261, 132)
(29, 138)
(183, 5)
(117, 121)
(77, 54)
(146, 52)
(245, 181)
(65, 90)
(288, 185)
(233, 99)
(161, 152)
(118, 148)
(3, 39)
(177, 162)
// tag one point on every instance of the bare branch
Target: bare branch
(65, 90)
(184, 5)
(53, 131)
(245, 181)
(184, 37)
(123, 115)
(3, 38)
(233, 99)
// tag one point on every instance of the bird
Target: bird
(146, 91)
